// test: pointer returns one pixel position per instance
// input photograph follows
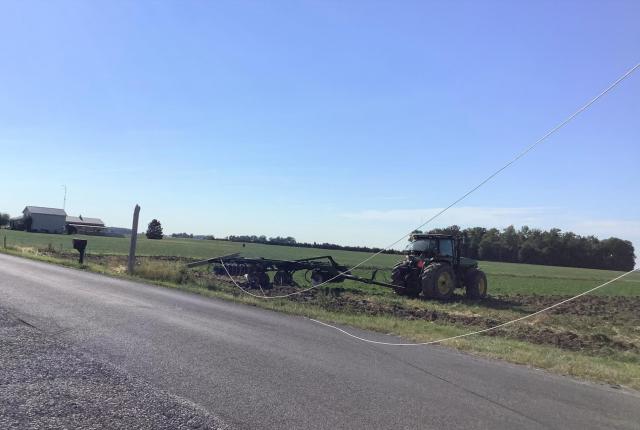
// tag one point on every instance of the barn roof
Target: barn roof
(45, 211)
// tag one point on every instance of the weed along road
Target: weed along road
(260, 369)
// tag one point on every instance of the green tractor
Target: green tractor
(433, 266)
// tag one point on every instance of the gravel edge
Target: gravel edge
(46, 383)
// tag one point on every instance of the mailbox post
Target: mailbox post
(80, 245)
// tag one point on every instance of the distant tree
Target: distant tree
(282, 240)
(182, 235)
(452, 229)
(528, 253)
(490, 246)
(510, 244)
(531, 249)
(617, 254)
(154, 230)
(4, 219)
(472, 238)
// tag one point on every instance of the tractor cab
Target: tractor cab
(433, 246)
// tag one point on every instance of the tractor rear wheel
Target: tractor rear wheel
(438, 281)
(476, 284)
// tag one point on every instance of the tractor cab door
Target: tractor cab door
(446, 248)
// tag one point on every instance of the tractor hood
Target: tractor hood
(468, 262)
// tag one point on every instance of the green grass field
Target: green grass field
(185, 247)
(504, 278)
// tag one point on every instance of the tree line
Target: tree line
(548, 247)
(291, 241)
(525, 245)
(192, 236)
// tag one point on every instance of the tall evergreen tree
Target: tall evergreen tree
(154, 230)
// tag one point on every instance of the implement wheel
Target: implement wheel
(476, 284)
(318, 277)
(438, 281)
(282, 278)
(259, 280)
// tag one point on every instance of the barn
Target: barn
(45, 220)
(84, 225)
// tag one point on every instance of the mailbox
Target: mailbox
(80, 245)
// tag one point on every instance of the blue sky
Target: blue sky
(347, 122)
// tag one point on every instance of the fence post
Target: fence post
(134, 238)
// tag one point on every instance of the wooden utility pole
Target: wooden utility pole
(134, 238)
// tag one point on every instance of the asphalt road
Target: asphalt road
(46, 383)
(259, 369)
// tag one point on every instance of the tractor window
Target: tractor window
(422, 245)
(446, 247)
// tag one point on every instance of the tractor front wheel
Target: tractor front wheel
(407, 280)
(438, 281)
(476, 284)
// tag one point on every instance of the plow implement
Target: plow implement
(317, 270)
(433, 268)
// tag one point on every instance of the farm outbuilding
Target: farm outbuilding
(84, 225)
(16, 223)
(52, 220)
(45, 220)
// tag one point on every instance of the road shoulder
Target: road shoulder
(46, 383)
